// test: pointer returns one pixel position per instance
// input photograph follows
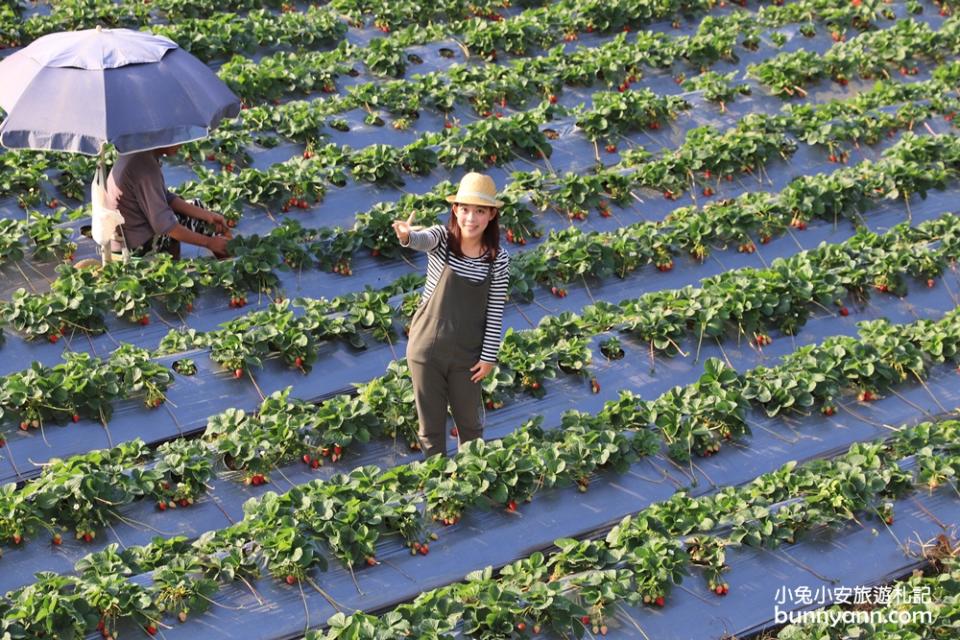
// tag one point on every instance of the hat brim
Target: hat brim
(474, 201)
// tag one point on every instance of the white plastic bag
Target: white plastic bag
(104, 220)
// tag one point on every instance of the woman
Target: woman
(455, 333)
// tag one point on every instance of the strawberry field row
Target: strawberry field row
(291, 183)
(78, 299)
(644, 556)
(691, 419)
(745, 148)
(746, 302)
(210, 29)
(616, 62)
(869, 54)
(536, 29)
(492, 86)
(283, 534)
(81, 387)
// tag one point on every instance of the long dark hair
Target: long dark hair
(490, 239)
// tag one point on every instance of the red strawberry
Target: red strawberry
(291, 579)
(315, 464)
(162, 505)
(585, 619)
(930, 282)
(535, 386)
(659, 601)
(424, 549)
(238, 373)
(298, 362)
(512, 505)
(53, 338)
(88, 537)
(17, 538)
(75, 417)
(719, 590)
(145, 320)
(844, 311)
(552, 98)
(521, 626)
(371, 560)
(151, 629)
(307, 459)
(611, 148)
(594, 385)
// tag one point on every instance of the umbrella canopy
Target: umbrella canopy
(75, 91)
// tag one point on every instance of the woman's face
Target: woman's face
(473, 219)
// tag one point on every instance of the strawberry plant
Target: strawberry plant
(179, 589)
(616, 113)
(377, 163)
(81, 492)
(717, 87)
(50, 240)
(185, 468)
(49, 607)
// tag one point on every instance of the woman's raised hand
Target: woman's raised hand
(402, 228)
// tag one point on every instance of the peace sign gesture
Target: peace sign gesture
(403, 228)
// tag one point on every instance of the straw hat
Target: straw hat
(478, 189)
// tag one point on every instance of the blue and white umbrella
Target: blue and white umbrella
(76, 91)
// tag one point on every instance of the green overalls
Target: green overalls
(446, 338)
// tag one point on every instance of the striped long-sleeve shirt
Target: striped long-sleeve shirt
(433, 240)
